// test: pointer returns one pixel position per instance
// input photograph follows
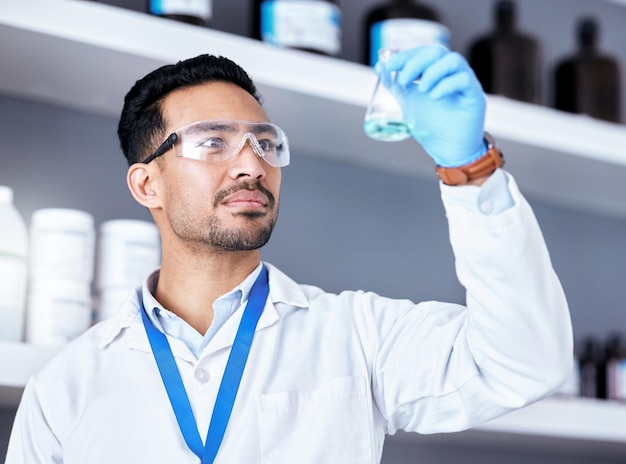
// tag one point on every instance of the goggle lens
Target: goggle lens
(219, 140)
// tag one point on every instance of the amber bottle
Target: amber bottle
(588, 82)
(589, 368)
(507, 61)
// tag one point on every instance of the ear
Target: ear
(142, 180)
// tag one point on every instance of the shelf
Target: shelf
(18, 361)
(85, 56)
(579, 418)
(585, 430)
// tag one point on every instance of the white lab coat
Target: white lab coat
(328, 375)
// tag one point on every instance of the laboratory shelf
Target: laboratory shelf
(574, 429)
(18, 361)
(572, 418)
(85, 56)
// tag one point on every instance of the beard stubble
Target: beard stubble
(215, 234)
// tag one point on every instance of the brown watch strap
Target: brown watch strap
(483, 166)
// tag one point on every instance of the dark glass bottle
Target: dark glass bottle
(507, 62)
(401, 24)
(588, 368)
(588, 82)
(196, 12)
(310, 25)
(615, 369)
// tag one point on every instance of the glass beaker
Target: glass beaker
(384, 120)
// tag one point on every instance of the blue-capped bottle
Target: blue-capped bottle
(400, 25)
(310, 25)
(196, 12)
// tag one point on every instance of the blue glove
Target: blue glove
(445, 108)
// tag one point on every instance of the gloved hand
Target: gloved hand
(446, 107)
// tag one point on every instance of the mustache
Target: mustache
(256, 185)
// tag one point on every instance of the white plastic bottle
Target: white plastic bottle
(128, 250)
(13, 268)
(58, 311)
(61, 270)
(62, 245)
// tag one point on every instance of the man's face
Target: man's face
(230, 205)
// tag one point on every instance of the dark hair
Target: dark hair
(141, 127)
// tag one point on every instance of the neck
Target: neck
(189, 283)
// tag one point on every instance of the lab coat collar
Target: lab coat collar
(127, 321)
(285, 290)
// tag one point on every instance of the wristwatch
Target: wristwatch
(483, 166)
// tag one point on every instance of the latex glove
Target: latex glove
(446, 108)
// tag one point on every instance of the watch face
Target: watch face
(491, 141)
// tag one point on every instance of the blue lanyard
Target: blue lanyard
(230, 382)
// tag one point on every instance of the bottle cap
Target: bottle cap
(131, 227)
(60, 218)
(505, 12)
(587, 31)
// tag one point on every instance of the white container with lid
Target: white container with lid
(13, 268)
(128, 250)
(62, 245)
(58, 311)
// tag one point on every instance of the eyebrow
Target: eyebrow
(212, 125)
(262, 128)
(227, 126)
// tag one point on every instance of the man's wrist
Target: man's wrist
(476, 172)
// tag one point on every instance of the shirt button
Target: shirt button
(486, 207)
(202, 375)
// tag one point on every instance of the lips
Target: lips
(246, 194)
(246, 198)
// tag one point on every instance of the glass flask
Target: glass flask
(384, 120)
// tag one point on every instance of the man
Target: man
(296, 375)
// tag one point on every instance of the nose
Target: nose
(247, 163)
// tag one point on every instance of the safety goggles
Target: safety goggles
(216, 140)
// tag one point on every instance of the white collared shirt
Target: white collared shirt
(328, 375)
(223, 308)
